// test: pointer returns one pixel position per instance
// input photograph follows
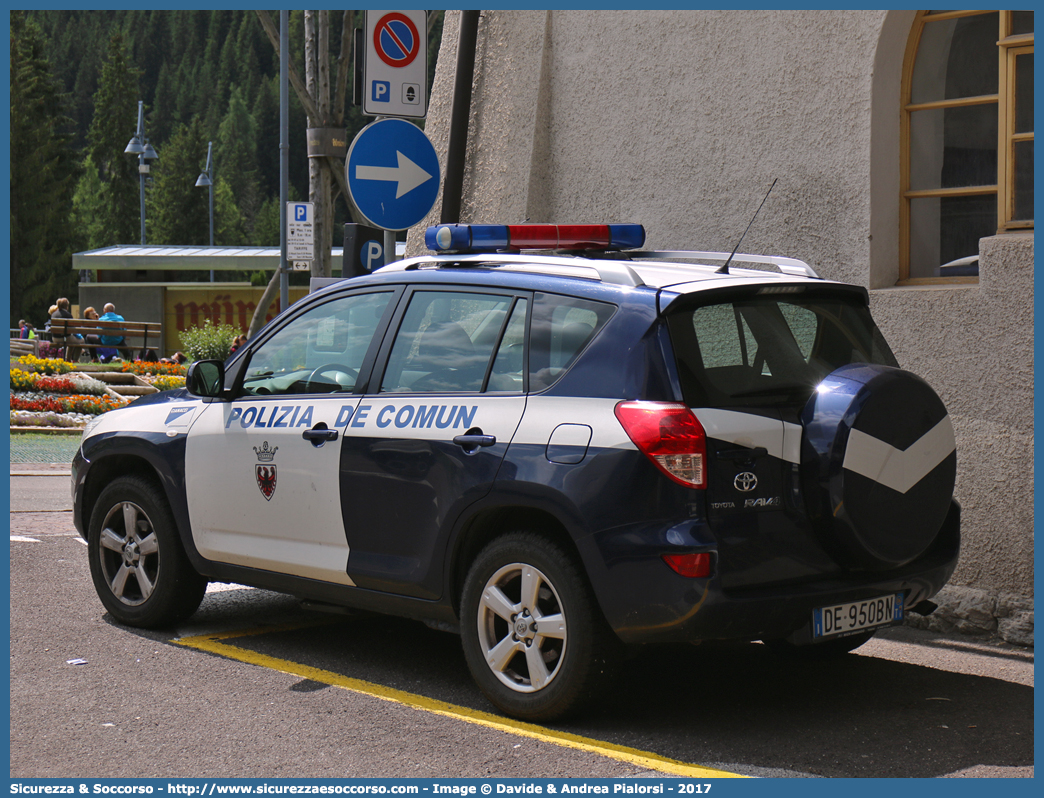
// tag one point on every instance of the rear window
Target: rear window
(765, 350)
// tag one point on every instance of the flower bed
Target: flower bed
(51, 403)
(45, 365)
(48, 392)
(25, 418)
(28, 381)
(165, 382)
(149, 367)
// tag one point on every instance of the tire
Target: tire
(533, 637)
(141, 574)
(828, 649)
(879, 465)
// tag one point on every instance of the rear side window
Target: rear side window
(769, 349)
(447, 340)
(561, 328)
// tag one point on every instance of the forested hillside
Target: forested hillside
(203, 76)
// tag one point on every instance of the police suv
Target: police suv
(559, 455)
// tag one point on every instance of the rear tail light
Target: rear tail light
(671, 436)
(694, 566)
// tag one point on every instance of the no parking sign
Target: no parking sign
(395, 79)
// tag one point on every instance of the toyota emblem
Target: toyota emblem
(745, 482)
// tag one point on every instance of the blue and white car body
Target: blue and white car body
(713, 454)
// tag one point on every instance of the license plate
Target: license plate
(859, 615)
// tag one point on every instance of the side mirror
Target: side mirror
(206, 378)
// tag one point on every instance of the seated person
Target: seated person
(72, 352)
(114, 341)
(90, 314)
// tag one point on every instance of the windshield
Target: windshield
(770, 350)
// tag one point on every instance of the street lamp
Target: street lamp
(139, 145)
(206, 179)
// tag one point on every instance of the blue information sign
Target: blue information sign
(393, 174)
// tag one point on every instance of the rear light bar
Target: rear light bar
(516, 237)
(670, 436)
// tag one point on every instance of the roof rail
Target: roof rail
(791, 266)
(615, 272)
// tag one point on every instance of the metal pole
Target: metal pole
(141, 164)
(141, 185)
(459, 116)
(389, 247)
(211, 222)
(284, 153)
(210, 176)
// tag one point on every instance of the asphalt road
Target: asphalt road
(298, 694)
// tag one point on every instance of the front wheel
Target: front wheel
(139, 569)
(533, 637)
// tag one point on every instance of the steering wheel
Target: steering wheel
(333, 367)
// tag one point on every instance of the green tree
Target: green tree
(114, 122)
(266, 225)
(178, 210)
(228, 219)
(235, 155)
(43, 175)
(88, 211)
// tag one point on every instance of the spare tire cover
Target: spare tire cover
(879, 464)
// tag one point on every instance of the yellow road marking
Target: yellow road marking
(213, 644)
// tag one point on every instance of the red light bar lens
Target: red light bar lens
(694, 566)
(532, 236)
(583, 236)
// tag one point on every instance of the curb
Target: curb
(47, 430)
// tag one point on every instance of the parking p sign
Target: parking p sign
(395, 66)
(300, 231)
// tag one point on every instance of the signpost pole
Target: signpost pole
(284, 153)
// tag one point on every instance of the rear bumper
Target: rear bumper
(644, 601)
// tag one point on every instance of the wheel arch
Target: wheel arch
(159, 462)
(489, 523)
(107, 469)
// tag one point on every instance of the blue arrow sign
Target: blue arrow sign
(393, 174)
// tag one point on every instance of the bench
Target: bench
(25, 346)
(146, 331)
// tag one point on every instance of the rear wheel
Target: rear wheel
(139, 569)
(533, 637)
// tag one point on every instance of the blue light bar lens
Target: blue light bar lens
(488, 237)
(626, 236)
(448, 237)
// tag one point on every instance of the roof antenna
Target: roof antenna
(725, 269)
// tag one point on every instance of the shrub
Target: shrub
(49, 350)
(209, 342)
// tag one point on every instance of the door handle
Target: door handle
(471, 442)
(319, 434)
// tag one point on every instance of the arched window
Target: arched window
(967, 139)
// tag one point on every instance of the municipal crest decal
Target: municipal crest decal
(265, 470)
